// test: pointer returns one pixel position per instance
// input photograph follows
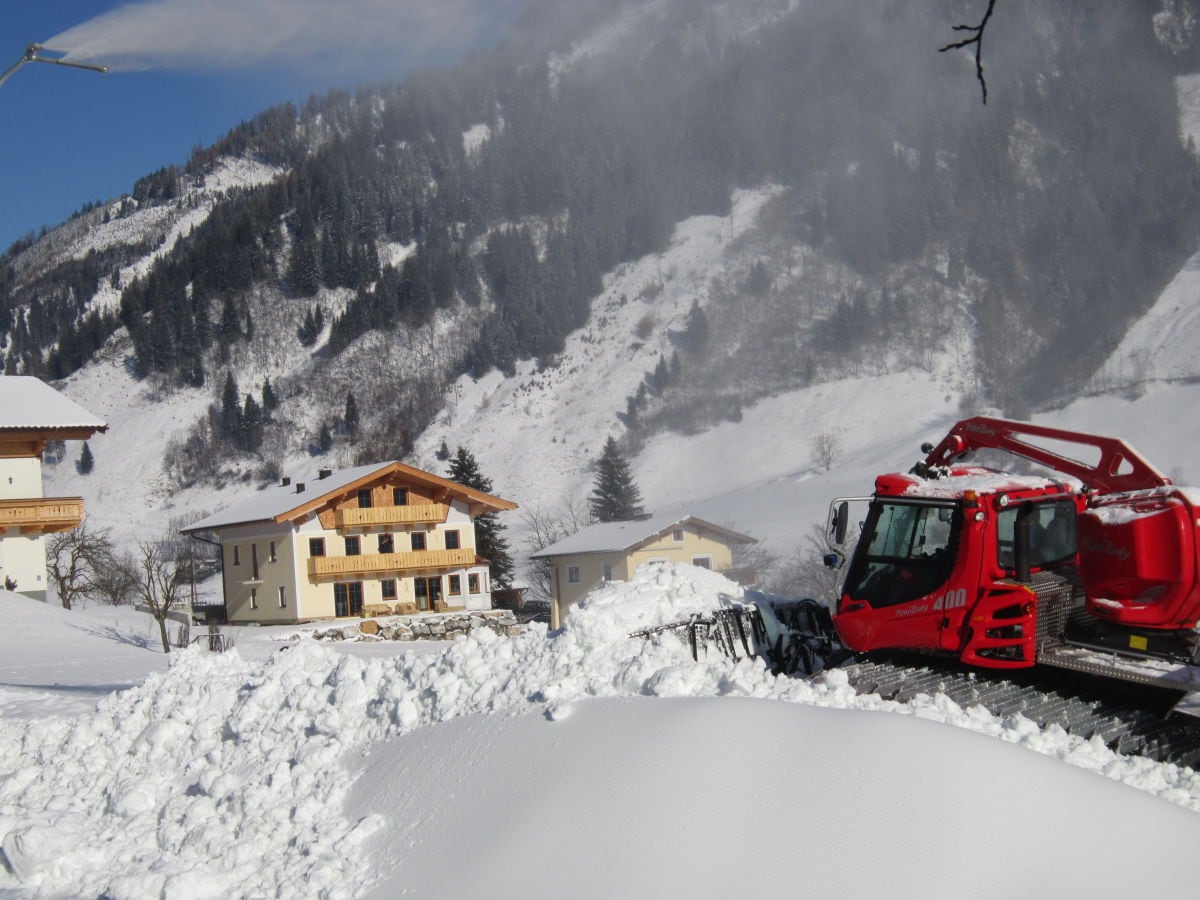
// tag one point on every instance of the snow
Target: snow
(475, 137)
(580, 760)
(58, 661)
(1187, 88)
(28, 402)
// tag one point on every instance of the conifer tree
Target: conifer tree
(86, 461)
(324, 438)
(252, 425)
(350, 419)
(231, 410)
(270, 401)
(489, 533)
(615, 496)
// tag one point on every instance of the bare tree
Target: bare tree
(73, 559)
(825, 448)
(977, 39)
(159, 584)
(804, 573)
(549, 526)
(115, 580)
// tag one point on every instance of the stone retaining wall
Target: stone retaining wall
(428, 627)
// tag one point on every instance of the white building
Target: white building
(31, 415)
(373, 540)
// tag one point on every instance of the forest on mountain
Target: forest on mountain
(1046, 220)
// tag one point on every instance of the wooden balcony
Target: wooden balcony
(384, 564)
(419, 514)
(45, 515)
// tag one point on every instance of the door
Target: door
(347, 598)
(429, 592)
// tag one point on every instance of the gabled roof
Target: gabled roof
(28, 404)
(616, 537)
(288, 502)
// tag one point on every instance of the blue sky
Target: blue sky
(185, 72)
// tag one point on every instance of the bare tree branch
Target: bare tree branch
(977, 39)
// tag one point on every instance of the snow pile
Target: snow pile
(221, 776)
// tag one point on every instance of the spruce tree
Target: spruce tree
(231, 409)
(270, 400)
(324, 439)
(86, 461)
(615, 496)
(350, 419)
(489, 533)
(252, 425)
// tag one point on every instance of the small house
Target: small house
(612, 551)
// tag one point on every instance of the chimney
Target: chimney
(299, 487)
(284, 481)
(323, 473)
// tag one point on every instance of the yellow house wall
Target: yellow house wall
(684, 551)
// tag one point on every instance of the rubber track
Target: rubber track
(1133, 721)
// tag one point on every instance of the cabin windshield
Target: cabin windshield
(907, 551)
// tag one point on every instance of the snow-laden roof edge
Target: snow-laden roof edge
(282, 501)
(28, 403)
(609, 537)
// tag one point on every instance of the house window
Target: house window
(282, 597)
(418, 540)
(348, 598)
(704, 562)
(364, 499)
(473, 583)
(452, 542)
(677, 535)
(316, 546)
(573, 575)
(386, 543)
(271, 557)
(400, 496)
(254, 598)
(254, 561)
(237, 555)
(352, 546)
(608, 572)
(455, 584)
(387, 588)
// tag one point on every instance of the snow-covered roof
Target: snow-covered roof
(282, 500)
(609, 537)
(29, 403)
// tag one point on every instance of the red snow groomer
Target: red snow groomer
(1091, 566)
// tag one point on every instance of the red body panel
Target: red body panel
(1137, 559)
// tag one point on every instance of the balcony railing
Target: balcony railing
(388, 563)
(43, 515)
(419, 514)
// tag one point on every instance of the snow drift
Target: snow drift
(222, 776)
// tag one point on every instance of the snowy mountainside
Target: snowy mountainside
(537, 432)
